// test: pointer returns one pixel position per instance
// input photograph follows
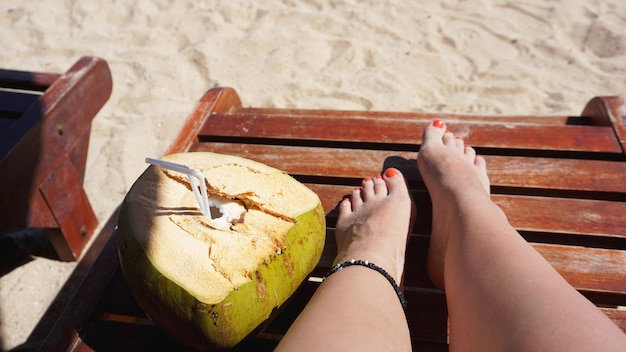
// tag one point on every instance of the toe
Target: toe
(460, 143)
(395, 181)
(480, 162)
(433, 133)
(367, 189)
(449, 139)
(380, 187)
(356, 199)
(470, 153)
(345, 208)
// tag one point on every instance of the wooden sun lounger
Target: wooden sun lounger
(45, 121)
(560, 180)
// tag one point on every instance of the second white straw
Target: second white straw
(194, 177)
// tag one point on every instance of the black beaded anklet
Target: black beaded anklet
(372, 266)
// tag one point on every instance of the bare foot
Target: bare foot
(375, 221)
(455, 176)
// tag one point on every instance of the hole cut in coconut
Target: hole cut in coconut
(225, 212)
(216, 212)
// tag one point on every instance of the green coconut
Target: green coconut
(210, 282)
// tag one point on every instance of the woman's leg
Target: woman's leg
(501, 293)
(356, 308)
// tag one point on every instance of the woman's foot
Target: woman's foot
(455, 177)
(375, 221)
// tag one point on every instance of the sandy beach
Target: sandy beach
(498, 57)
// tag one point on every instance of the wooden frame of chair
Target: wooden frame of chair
(45, 123)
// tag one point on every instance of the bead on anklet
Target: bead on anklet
(374, 267)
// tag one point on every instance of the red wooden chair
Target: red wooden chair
(560, 179)
(45, 121)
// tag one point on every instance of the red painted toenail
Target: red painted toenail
(357, 188)
(438, 123)
(378, 177)
(458, 137)
(391, 172)
(368, 179)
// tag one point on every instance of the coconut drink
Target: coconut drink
(211, 273)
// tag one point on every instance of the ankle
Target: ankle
(388, 259)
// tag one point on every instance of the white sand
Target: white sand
(528, 57)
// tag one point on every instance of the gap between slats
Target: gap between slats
(25, 80)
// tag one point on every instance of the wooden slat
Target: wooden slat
(564, 215)
(557, 174)
(556, 120)
(538, 214)
(409, 131)
(617, 315)
(327, 162)
(540, 173)
(589, 269)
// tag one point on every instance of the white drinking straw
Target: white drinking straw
(202, 199)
